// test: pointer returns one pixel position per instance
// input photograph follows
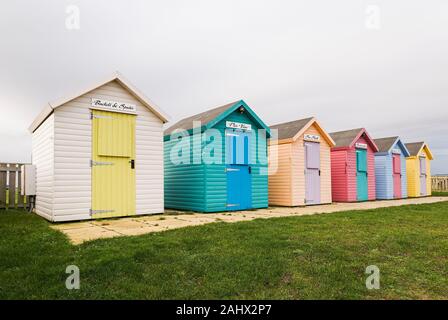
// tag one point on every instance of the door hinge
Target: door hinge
(98, 163)
(95, 116)
(92, 212)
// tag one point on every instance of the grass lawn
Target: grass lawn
(439, 194)
(309, 257)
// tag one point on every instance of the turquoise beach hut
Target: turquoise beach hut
(217, 161)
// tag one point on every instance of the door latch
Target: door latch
(132, 162)
(250, 170)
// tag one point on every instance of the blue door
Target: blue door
(361, 175)
(239, 179)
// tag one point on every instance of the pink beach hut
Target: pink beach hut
(353, 166)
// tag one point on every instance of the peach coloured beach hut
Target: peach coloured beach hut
(299, 164)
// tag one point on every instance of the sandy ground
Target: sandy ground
(79, 232)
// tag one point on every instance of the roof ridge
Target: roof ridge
(391, 137)
(175, 125)
(284, 123)
(355, 129)
(208, 110)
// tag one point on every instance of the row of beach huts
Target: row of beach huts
(102, 152)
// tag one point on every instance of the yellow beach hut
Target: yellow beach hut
(418, 169)
(299, 164)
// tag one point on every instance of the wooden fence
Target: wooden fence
(439, 183)
(10, 185)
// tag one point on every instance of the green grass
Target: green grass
(309, 257)
(440, 194)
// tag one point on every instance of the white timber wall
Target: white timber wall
(73, 152)
(43, 159)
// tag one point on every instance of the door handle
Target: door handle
(132, 162)
(250, 170)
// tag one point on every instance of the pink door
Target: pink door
(397, 175)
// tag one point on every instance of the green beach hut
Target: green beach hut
(217, 161)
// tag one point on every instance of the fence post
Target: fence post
(439, 183)
(10, 196)
(7, 187)
(16, 193)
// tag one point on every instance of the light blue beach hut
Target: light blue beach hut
(390, 168)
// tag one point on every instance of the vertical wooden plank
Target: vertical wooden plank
(16, 186)
(21, 199)
(7, 187)
(10, 196)
(2, 186)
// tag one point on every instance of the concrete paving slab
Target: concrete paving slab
(71, 225)
(80, 235)
(150, 218)
(79, 232)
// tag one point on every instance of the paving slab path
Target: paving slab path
(79, 232)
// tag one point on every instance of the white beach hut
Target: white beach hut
(99, 153)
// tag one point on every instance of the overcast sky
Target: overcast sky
(382, 65)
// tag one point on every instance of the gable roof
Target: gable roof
(385, 145)
(292, 130)
(48, 110)
(416, 147)
(288, 130)
(211, 117)
(347, 138)
(204, 117)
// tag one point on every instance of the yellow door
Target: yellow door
(113, 163)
